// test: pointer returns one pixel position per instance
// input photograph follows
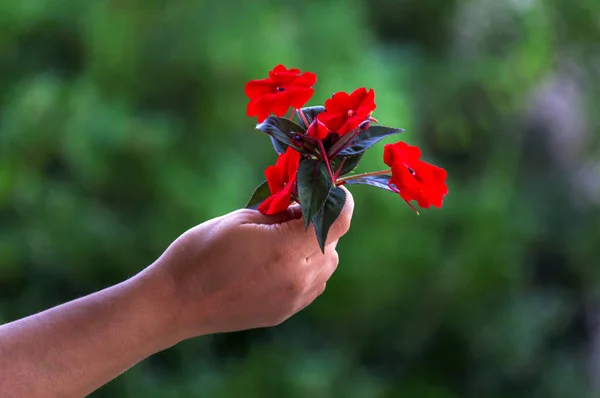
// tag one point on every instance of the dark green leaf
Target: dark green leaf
(310, 113)
(282, 131)
(278, 146)
(350, 163)
(314, 184)
(374, 181)
(342, 143)
(259, 195)
(328, 214)
(368, 138)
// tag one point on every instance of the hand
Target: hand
(240, 271)
(245, 270)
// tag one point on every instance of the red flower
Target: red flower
(317, 130)
(281, 179)
(414, 179)
(344, 112)
(282, 89)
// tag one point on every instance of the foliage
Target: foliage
(122, 125)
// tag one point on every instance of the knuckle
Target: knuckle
(321, 289)
(298, 287)
(279, 320)
(280, 253)
(335, 259)
(284, 253)
(344, 222)
(290, 253)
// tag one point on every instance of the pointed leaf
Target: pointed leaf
(350, 163)
(310, 113)
(342, 143)
(281, 130)
(314, 184)
(368, 138)
(279, 147)
(330, 211)
(259, 195)
(380, 181)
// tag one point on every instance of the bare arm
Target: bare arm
(73, 349)
(239, 271)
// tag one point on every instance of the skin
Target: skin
(240, 271)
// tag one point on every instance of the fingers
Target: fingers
(310, 287)
(327, 265)
(312, 297)
(294, 212)
(289, 231)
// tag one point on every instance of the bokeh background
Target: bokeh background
(122, 124)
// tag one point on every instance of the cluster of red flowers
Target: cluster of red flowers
(332, 137)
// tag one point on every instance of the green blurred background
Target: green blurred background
(122, 124)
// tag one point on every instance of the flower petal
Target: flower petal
(292, 161)
(350, 124)
(333, 121)
(281, 104)
(339, 103)
(299, 96)
(275, 203)
(306, 79)
(255, 88)
(357, 97)
(317, 130)
(367, 104)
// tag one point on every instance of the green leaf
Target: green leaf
(342, 143)
(330, 211)
(314, 184)
(310, 113)
(350, 163)
(380, 181)
(282, 132)
(279, 146)
(259, 195)
(369, 137)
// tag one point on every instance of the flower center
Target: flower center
(280, 89)
(351, 112)
(414, 174)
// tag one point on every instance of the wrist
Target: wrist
(158, 307)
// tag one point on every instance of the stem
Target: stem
(372, 173)
(325, 159)
(337, 173)
(341, 181)
(303, 116)
(291, 117)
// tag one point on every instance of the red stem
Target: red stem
(303, 116)
(372, 173)
(325, 159)
(337, 173)
(291, 117)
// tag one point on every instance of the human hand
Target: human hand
(244, 270)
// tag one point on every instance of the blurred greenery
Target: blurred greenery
(122, 124)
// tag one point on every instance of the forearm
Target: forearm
(73, 349)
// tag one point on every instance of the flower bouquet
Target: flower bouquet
(318, 152)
